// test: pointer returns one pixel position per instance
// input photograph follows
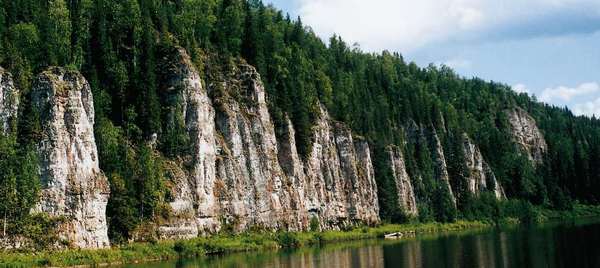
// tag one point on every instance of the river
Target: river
(575, 244)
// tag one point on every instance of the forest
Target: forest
(119, 45)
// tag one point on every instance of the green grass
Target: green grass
(202, 246)
(219, 244)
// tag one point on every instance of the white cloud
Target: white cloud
(563, 93)
(521, 88)
(589, 108)
(406, 25)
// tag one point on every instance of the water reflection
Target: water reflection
(552, 246)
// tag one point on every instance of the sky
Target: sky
(546, 48)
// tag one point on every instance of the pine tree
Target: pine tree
(230, 27)
(57, 33)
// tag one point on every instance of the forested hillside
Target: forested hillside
(123, 47)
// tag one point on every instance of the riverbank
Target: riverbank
(221, 244)
(164, 250)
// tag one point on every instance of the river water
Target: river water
(575, 244)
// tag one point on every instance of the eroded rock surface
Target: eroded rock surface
(249, 179)
(527, 135)
(193, 200)
(73, 186)
(241, 177)
(406, 195)
(340, 182)
(481, 177)
(9, 101)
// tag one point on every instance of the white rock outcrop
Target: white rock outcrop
(240, 177)
(73, 187)
(9, 101)
(249, 179)
(480, 178)
(340, 182)
(404, 187)
(193, 192)
(527, 135)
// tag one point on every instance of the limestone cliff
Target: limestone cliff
(193, 199)
(250, 181)
(480, 176)
(241, 177)
(257, 189)
(527, 135)
(340, 182)
(9, 101)
(73, 186)
(406, 195)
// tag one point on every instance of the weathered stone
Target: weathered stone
(527, 135)
(193, 199)
(250, 191)
(404, 188)
(9, 101)
(73, 186)
(365, 200)
(242, 177)
(340, 184)
(480, 175)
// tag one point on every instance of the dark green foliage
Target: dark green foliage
(522, 210)
(41, 230)
(136, 179)
(314, 224)
(444, 208)
(485, 206)
(19, 183)
(287, 240)
(386, 188)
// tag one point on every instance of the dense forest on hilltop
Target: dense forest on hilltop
(119, 47)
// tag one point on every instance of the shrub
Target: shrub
(287, 240)
(315, 226)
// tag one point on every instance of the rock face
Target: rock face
(241, 177)
(193, 193)
(406, 195)
(527, 135)
(9, 101)
(439, 162)
(73, 186)
(481, 178)
(339, 177)
(250, 181)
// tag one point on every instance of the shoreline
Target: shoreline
(221, 244)
(252, 241)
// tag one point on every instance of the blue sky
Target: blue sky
(547, 48)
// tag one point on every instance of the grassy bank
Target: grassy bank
(220, 244)
(164, 250)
